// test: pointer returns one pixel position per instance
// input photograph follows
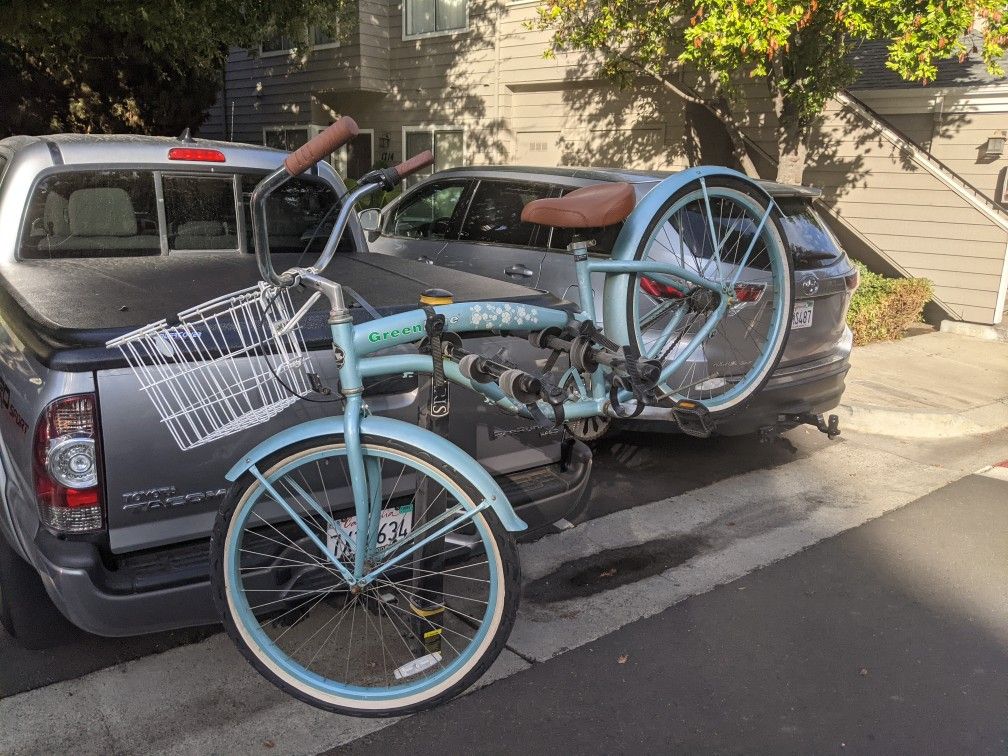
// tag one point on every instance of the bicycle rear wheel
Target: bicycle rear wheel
(422, 632)
(724, 231)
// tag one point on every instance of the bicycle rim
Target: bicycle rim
(398, 643)
(727, 237)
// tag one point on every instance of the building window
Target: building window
(288, 138)
(447, 144)
(355, 159)
(283, 44)
(426, 17)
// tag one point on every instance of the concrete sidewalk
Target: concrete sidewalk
(937, 385)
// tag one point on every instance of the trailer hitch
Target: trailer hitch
(830, 426)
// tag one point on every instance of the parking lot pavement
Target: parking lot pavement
(891, 637)
(581, 586)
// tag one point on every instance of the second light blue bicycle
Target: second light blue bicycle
(368, 566)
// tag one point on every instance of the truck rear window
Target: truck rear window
(113, 213)
(92, 214)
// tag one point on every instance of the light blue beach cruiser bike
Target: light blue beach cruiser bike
(367, 565)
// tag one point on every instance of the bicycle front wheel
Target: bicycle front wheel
(724, 231)
(421, 632)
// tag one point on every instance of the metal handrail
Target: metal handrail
(921, 153)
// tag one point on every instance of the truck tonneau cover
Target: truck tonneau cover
(65, 310)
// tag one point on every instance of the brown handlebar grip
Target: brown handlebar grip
(414, 164)
(321, 145)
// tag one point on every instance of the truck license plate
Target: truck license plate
(802, 317)
(394, 525)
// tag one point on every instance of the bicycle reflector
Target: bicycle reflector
(196, 154)
(660, 290)
(749, 292)
(66, 466)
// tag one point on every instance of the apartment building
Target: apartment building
(912, 175)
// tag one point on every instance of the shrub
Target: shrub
(883, 308)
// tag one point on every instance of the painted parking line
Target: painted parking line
(205, 698)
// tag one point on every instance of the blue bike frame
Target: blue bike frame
(356, 347)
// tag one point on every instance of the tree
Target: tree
(138, 67)
(800, 50)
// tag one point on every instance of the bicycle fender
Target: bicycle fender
(634, 228)
(649, 205)
(402, 431)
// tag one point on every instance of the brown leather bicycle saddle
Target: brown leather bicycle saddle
(588, 207)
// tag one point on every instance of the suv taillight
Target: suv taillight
(66, 466)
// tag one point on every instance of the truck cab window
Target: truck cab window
(92, 214)
(200, 212)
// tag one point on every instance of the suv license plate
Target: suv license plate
(394, 525)
(802, 317)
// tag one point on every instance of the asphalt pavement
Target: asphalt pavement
(891, 637)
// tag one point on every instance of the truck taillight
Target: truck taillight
(66, 466)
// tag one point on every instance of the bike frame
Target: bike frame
(356, 347)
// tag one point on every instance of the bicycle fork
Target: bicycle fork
(426, 600)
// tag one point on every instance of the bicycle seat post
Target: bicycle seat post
(579, 247)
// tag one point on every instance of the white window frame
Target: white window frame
(431, 130)
(313, 129)
(427, 35)
(339, 158)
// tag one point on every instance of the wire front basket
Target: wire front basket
(223, 366)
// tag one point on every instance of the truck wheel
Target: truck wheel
(26, 611)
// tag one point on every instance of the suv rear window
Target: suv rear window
(92, 214)
(807, 233)
(114, 214)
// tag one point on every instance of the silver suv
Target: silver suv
(469, 219)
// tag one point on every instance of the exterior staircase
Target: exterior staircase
(903, 212)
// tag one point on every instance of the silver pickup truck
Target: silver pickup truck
(103, 521)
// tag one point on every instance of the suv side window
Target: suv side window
(495, 213)
(427, 213)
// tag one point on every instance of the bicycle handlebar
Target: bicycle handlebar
(297, 163)
(414, 164)
(321, 145)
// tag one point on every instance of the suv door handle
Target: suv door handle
(425, 259)
(518, 271)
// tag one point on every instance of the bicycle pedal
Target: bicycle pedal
(693, 418)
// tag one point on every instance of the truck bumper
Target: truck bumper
(169, 588)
